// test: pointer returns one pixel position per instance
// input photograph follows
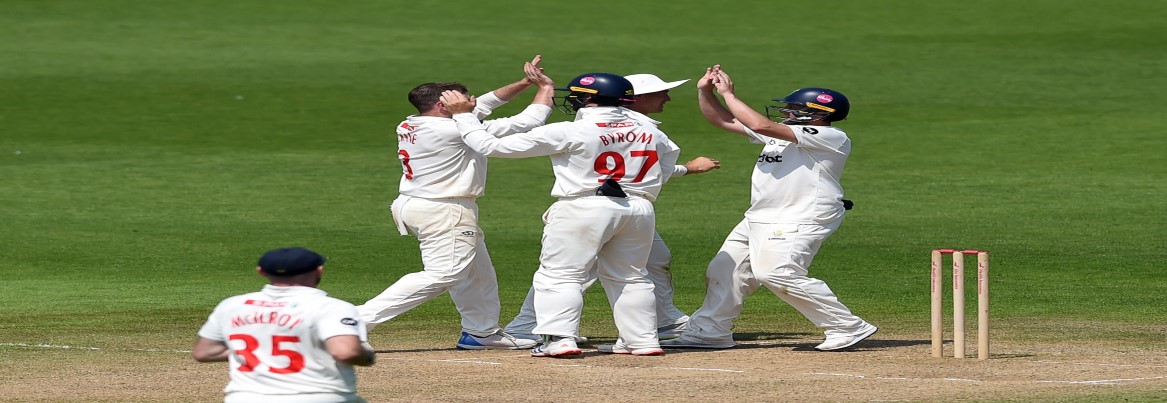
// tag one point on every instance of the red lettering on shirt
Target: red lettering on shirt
(267, 318)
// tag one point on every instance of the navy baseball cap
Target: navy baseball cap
(290, 261)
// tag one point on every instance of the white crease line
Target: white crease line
(702, 369)
(829, 374)
(63, 347)
(572, 365)
(1104, 381)
(887, 378)
(470, 361)
(1101, 364)
(1091, 382)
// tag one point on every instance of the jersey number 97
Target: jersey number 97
(610, 164)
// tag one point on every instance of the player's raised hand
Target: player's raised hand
(535, 74)
(722, 81)
(456, 102)
(706, 81)
(701, 165)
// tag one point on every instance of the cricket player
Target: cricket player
(795, 204)
(290, 342)
(441, 178)
(652, 93)
(608, 170)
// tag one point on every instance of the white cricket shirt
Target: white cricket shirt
(277, 338)
(678, 170)
(602, 142)
(798, 183)
(436, 164)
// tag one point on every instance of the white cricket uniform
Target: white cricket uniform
(795, 204)
(276, 337)
(659, 259)
(581, 227)
(441, 178)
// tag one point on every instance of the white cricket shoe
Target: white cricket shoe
(556, 348)
(839, 342)
(690, 341)
(499, 340)
(620, 348)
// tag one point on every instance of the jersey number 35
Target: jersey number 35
(251, 361)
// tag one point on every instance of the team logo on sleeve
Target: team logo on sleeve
(810, 130)
(348, 321)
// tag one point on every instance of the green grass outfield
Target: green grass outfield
(150, 151)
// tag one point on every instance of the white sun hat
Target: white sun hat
(648, 83)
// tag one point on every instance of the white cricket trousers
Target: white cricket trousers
(617, 234)
(667, 313)
(454, 256)
(776, 256)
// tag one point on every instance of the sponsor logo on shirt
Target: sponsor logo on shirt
(776, 236)
(769, 158)
(265, 304)
(615, 124)
(810, 130)
(348, 321)
(467, 233)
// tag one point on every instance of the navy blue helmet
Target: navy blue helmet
(603, 89)
(810, 104)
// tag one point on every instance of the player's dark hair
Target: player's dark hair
(425, 96)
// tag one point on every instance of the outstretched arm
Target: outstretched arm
(476, 136)
(711, 108)
(510, 91)
(698, 165)
(490, 101)
(534, 115)
(743, 113)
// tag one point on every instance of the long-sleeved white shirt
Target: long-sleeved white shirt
(601, 143)
(437, 164)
